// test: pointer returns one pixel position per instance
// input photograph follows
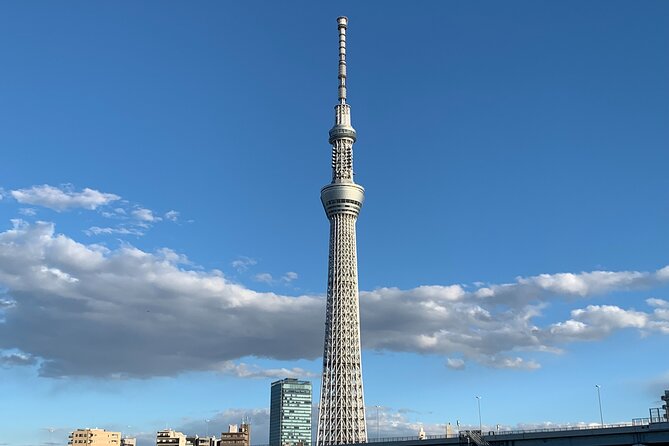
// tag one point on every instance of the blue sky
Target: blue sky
(163, 250)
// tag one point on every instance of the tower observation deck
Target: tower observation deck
(341, 416)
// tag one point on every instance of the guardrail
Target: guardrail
(634, 422)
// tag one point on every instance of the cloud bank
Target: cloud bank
(63, 199)
(130, 219)
(85, 310)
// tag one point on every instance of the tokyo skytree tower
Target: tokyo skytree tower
(341, 417)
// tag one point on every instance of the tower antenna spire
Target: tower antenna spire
(342, 24)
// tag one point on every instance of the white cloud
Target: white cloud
(55, 272)
(267, 278)
(134, 221)
(492, 325)
(289, 277)
(661, 326)
(578, 285)
(16, 359)
(243, 370)
(455, 363)
(152, 314)
(406, 423)
(28, 212)
(145, 215)
(661, 313)
(659, 303)
(121, 230)
(70, 301)
(64, 198)
(242, 264)
(219, 422)
(264, 278)
(611, 317)
(597, 322)
(172, 215)
(511, 363)
(171, 256)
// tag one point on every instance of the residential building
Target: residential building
(290, 413)
(94, 437)
(168, 437)
(201, 441)
(128, 441)
(236, 435)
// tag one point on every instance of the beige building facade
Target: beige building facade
(236, 436)
(201, 441)
(94, 437)
(168, 437)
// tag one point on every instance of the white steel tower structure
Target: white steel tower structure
(341, 417)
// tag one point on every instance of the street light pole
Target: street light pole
(478, 400)
(599, 398)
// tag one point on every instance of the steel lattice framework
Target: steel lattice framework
(341, 417)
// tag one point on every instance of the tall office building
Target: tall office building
(341, 417)
(290, 413)
(94, 437)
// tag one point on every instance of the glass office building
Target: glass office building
(290, 413)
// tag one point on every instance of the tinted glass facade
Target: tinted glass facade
(290, 413)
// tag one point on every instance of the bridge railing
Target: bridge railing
(634, 422)
(411, 437)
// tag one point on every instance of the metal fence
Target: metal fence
(634, 422)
